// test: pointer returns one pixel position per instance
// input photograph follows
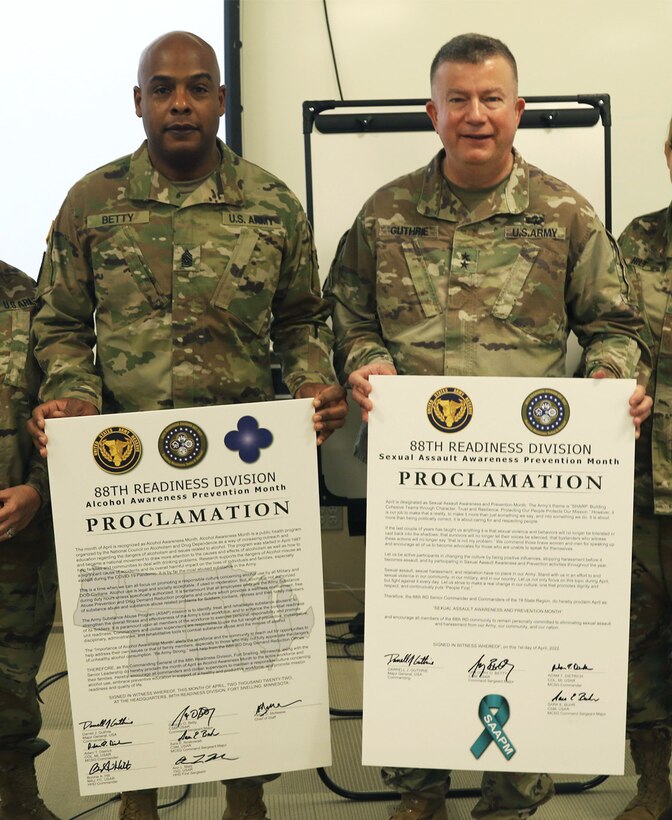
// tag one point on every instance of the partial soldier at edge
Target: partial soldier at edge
(27, 559)
(646, 246)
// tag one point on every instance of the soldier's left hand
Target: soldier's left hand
(19, 506)
(331, 407)
(640, 404)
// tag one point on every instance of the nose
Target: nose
(475, 111)
(180, 99)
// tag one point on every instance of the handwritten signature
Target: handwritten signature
(482, 667)
(575, 696)
(265, 708)
(409, 659)
(202, 758)
(571, 666)
(197, 734)
(110, 766)
(194, 715)
(106, 723)
(108, 743)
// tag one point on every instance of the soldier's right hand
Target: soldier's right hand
(55, 409)
(361, 387)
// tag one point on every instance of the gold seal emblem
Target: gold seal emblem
(449, 410)
(117, 450)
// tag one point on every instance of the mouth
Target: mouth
(181, 128)
(477, 137)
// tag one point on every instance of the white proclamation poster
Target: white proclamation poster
(498, 564)
(190, 567)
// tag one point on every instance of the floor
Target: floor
(296, 795)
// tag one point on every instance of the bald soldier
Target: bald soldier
(180, 264)
(479, 265)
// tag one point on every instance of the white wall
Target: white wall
(68, 71)
(384, 48)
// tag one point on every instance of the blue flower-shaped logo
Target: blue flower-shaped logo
(248, 439)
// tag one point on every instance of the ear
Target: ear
(519, 107)
(221, 93)
(430, 108)
(137, 99)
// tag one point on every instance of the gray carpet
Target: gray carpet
(296, 795)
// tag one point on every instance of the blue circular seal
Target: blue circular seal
(449, 409)
(182, 444)
(545, 412)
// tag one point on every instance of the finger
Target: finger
(327, 428)
(332, 412)
(323, 436)
(359, 382)
(362, 398)
(331, 393)
(38, 417)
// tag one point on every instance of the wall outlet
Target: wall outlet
(331, 518)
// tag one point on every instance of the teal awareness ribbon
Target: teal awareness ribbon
(493, 723)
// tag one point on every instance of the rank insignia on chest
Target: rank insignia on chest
(186, 258)
(464, 261)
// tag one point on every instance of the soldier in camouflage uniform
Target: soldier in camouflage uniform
(478, 264)
(27, 561)
(647, 247)
(190, 260)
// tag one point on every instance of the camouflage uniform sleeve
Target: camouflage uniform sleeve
(37, 475)
(20, 463)
(299, 331)
(63, 328)
(602, 309)
(630, 247)
(351, 292)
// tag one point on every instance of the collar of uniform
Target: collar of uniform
(221, 187)
(438, 201)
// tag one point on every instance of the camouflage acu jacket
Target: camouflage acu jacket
(422, 282)
(19, 383)
(647, 247)
(180, 294)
